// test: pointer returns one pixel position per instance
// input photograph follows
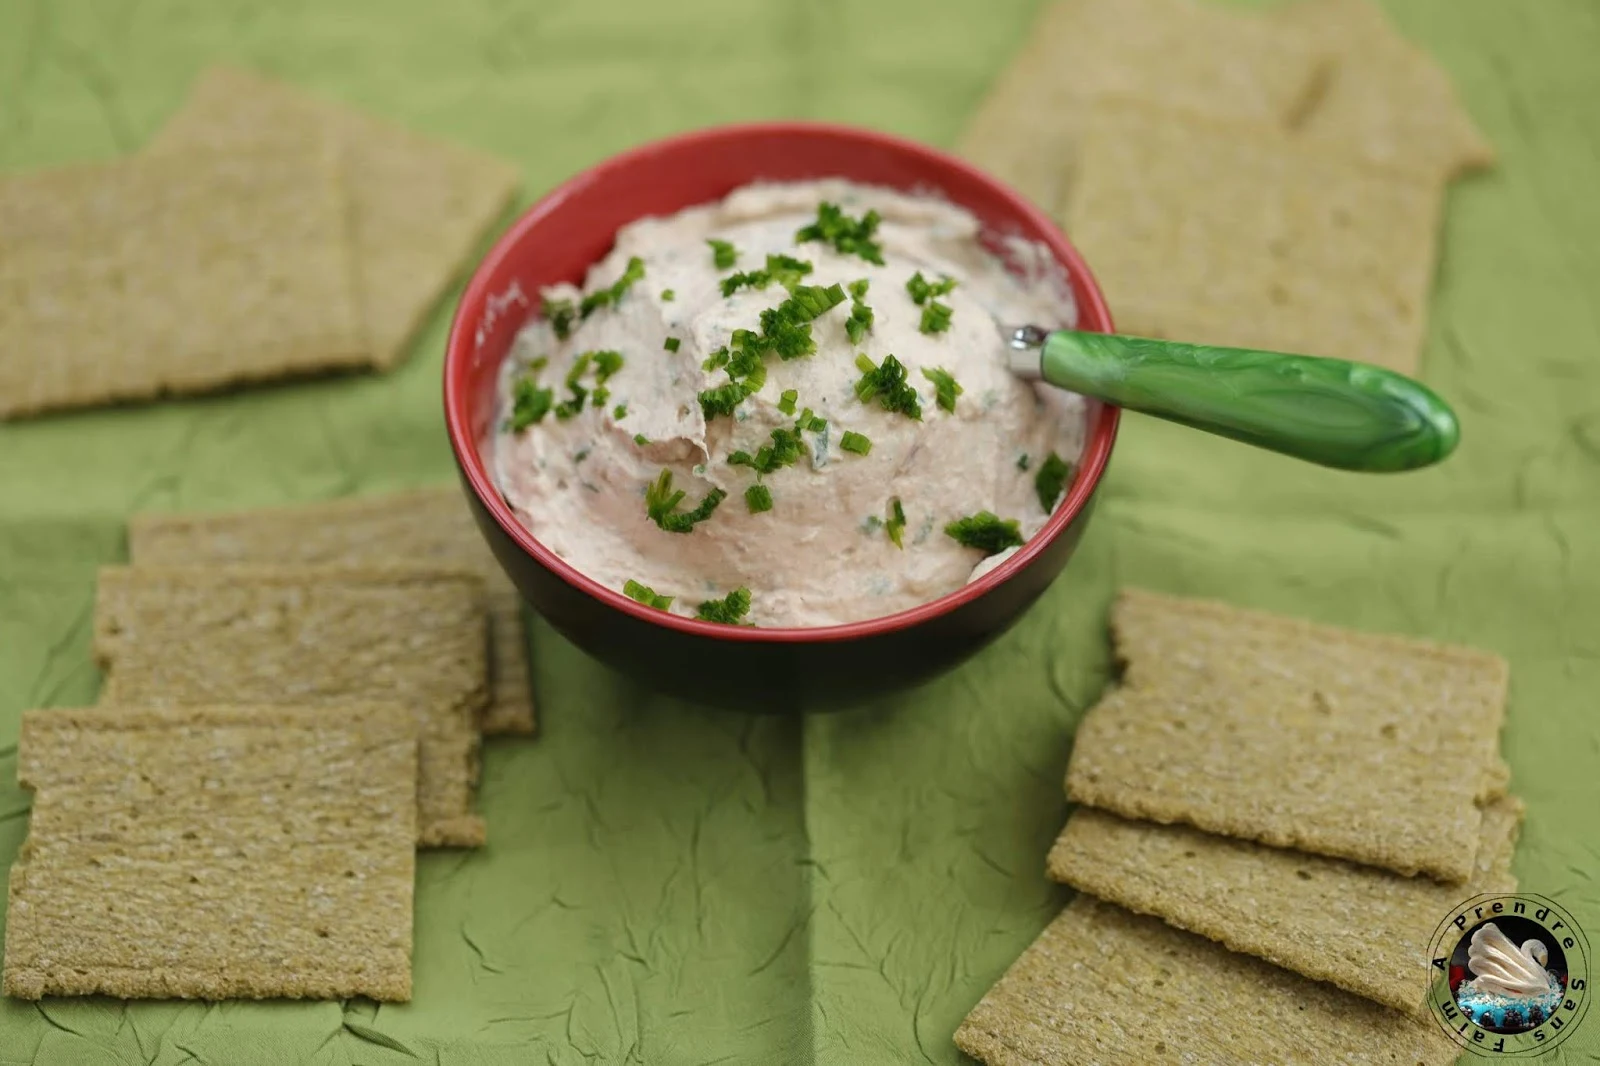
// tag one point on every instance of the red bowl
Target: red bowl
(557, 240)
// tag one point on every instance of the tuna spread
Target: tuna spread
(789, 408)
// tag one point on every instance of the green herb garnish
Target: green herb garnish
(986, 531)
(667, 296)
(945, 386)
(671, 344)
(848, 235)
(860, 320)
(560, 314)
(887, 384)
(785, 450)
(783, 269)
(921, 289)
(728, 610)
(786, 402)
(716, 360)
(723, 254)
(855, 442)
(1022, 462)
(1052, 477)
(611, 295)
(529, 403)
(895, 524)
(619, 412)
(935, 318)
(758, 498)
(646, 595)
(601, 395)
(809, 422)
(661, 504)
(640, 439)
(721, 400)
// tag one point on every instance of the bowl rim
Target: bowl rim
(460, 347)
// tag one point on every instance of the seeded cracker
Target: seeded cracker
(1194, 58)
(1104, 986)
(122, 281)
(1387, 101)
(1220, 233)
(419, 205)
(215, 853)
(1358, 927)
(1354, 745)
(431, 525)
(411, 635)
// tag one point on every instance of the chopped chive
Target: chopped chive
(723, 253)
(985, 531)
(887, 384)
(921, 289)
(945, 385)
(1023, 461)
(850, 236)
(721, 400)
(728, 610)
(716, 360)
(758, 498)
(935, 318)
(787, 400)
(667, 296)
(560, 314)
(895, 524)
(529, 403)
(619, 412)
(640, 439)
(855, 442)
(1053, 475)
(671, 344)
(646, 595)
(611, 295)
(661, 504)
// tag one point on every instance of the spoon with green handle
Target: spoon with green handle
(1345, 415)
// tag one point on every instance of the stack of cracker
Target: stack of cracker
(294, 702)
(1272, 812)
(1262, 181)
(263, 234)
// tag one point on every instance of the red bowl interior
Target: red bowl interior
(559, 237)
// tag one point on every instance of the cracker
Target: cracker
(1106, 986)
(1386, 100)
(1194, 58)
(1224, 234)
(1355, 745)
(1358, 927)
(419, 206)
(215, 853)
(430, 525)
(181, 274)
(412, 635)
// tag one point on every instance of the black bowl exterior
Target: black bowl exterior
(776, 676)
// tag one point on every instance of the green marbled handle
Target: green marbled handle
(1345, 415)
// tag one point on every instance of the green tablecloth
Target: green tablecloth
(670, 885)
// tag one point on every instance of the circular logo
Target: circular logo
(1511, 974)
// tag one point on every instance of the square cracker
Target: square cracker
(179, 274)
(1358, 927)
(1225, 234)
(431, 525)
(298, 635)
(215, 853)
(1354, 745)
(1106, 986)
(1386, 100)
(419, 206)
(1193, 58)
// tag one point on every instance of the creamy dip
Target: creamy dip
(579, 476)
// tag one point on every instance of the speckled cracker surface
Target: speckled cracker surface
(1386, 100)
(185, 273)
(411, 635)
(1102, 985)
(419, 205)
(431, 525)
(215, 853)
(1358, 927)
(1226, 234)
(1194, 58)
(1356, 745)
